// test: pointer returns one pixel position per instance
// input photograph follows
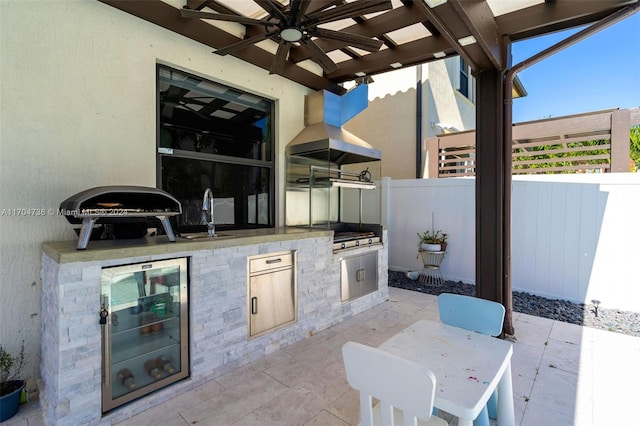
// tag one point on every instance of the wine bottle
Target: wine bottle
(126, 378)
(163, 363)
(145, 326)
(152, 369)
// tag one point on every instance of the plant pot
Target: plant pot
(9, 403)
(430, 247)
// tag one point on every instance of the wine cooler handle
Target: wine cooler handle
(106, 343)
(254, 306)
(104, 312)
(103, 316)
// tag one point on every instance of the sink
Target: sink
(203, 236)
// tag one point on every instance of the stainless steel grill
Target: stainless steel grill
(354, 239)
(350, 235)
(119, 205)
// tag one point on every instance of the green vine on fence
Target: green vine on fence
(563, 159)
(635, 147)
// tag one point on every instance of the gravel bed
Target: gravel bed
(624, 322)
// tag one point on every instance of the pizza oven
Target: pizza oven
(127, 210)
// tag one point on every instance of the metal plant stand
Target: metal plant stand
(431, 261)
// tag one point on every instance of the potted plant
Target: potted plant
(10, 386)
(433, 240)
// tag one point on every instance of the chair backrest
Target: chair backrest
(471, 313)
(394, 381)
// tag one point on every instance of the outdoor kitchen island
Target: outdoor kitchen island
(218, 309)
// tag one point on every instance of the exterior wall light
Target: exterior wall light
(465, 41)
(434, 3)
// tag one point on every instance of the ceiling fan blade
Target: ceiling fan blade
(272, 9)
(361, 42)
(188, 13)
(184, 105)
(244, 43)
(347, 10)
(297, 10)
(277, 66)
(327, 64)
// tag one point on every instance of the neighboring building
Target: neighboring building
(446, 96)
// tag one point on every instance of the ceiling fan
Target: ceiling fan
(292, 24)
(170, 100)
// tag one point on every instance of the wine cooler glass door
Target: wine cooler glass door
(144, 335)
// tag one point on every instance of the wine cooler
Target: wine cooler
(144, 317)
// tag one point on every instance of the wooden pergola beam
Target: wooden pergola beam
(479, 19)
(167, 16)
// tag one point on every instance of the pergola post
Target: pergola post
(493, 194)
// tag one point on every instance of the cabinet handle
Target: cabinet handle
(254, 306)
(271, 261)
(106, 345)
(360, 275)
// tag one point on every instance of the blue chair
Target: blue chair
(475, 314)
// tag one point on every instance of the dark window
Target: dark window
(464, 78)
(214, 136)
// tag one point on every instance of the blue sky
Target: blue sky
(599, 72)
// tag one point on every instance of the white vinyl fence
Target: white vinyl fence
(574, 237)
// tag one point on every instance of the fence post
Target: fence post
(385, 188)
(431, 161)
(620, 128)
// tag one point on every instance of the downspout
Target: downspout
(419, 118)
(508, 139)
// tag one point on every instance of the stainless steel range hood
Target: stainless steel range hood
(326, 142)
(324, 138)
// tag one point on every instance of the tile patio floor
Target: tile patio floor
(563, 374)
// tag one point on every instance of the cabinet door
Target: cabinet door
(272, 300)
(359, 275)
(369, 277)
(348, 277)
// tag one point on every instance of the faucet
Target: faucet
(207, 212)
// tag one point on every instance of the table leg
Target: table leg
(464, 422)
(506, 416)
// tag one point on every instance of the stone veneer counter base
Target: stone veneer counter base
(71, 358)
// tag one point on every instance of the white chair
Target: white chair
(404, 389)
(475, 314)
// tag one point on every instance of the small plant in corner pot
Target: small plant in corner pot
(433, 240)
(10, 386)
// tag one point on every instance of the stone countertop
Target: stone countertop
(66, 252)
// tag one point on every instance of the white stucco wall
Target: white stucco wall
(444, 103)
(77, 110)
(397, 142)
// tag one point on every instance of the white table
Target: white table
(468, 367)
